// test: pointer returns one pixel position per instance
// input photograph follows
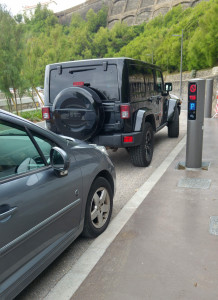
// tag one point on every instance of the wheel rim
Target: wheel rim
(100, 207)
(148, 145)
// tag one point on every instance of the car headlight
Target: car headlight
(100, 148)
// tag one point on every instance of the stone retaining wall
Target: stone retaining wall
(133, 12)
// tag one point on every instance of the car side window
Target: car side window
(141, 82)
(158, 81)
(18, 154)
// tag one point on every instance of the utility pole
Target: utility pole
(180, 35)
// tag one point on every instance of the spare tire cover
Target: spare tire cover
(78, 112)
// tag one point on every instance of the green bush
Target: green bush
(32, 115)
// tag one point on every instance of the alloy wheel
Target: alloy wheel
(100, 207)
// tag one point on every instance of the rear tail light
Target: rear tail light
(46, 113)
(128, 139)
(125, 111)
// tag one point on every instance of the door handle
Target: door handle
(7, 214)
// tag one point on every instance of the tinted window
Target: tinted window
(158, 81)
(95, 76)
(18, 153)
(141, 82)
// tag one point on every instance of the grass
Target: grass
(32, 115)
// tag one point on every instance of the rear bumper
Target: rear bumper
(112, 140)
(116, 140)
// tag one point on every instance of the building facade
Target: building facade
(29, 9)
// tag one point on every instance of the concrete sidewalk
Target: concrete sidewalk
(167, 249)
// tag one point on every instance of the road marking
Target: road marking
(70, 282)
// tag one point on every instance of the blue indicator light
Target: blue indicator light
(192, 106)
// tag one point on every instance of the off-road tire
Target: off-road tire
(141, 155)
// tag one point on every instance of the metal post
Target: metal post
(181, 66)
(180, 35)
(195, 124)
(208, 98)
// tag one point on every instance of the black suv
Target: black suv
(114, 102)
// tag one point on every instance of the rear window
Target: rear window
(93, 76)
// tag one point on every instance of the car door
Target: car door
(161, 101)
(39, 211)
(141, 87)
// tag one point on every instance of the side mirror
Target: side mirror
(59, 161)
(168, 87)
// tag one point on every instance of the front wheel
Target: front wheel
(141, 155)
(98, 208)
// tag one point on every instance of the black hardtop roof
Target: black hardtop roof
(99, 61)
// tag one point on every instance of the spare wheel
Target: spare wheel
(78, 112)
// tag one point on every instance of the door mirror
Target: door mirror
(59, 161)
(168, 87)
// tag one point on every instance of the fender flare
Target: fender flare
(141, 117)
(171, 109)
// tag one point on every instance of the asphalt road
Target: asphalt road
(129, 180)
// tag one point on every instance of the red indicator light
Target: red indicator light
(192, 97)
(79, 83)
(193, 88)
(128, 139)
(124, 111)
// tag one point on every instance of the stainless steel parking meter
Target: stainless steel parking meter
(195, 125)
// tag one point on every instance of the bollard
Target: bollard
(194, 144)
(208, 98)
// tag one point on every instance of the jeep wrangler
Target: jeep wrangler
(113, 102)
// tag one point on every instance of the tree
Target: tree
(18, 18)
(11, 58)
(120, 35)
(32, 68)
(202, 47)
(96, 20)
(46, 41)
(41, 20)
(200, 42)
(100, 43)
